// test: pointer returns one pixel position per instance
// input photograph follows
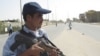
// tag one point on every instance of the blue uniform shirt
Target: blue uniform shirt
(21, 48)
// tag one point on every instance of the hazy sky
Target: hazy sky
(61, 9)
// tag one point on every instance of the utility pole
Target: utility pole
(47, 14)
(21, 12)
(56, 23)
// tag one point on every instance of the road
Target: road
(2, 41)
(88, 29)
(53, 31)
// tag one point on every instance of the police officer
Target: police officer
(33, 17)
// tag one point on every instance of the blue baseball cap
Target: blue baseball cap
(34, 7)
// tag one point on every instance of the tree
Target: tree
(2, 27)
(91, 16)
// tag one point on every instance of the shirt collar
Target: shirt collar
(37, 32)
(26, 29)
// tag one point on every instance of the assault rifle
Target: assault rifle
(29, 41)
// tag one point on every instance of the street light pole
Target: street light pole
(21, 12)
(47, 14)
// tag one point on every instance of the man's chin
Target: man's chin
(39, 27)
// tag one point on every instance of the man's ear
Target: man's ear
(28, 18)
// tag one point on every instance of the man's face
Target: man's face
(36, 20)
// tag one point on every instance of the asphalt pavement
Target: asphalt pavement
(91, 30)
(74, 43)
(3, 38)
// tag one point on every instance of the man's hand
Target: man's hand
(33, 51)
(36, 49)
(53, 53)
